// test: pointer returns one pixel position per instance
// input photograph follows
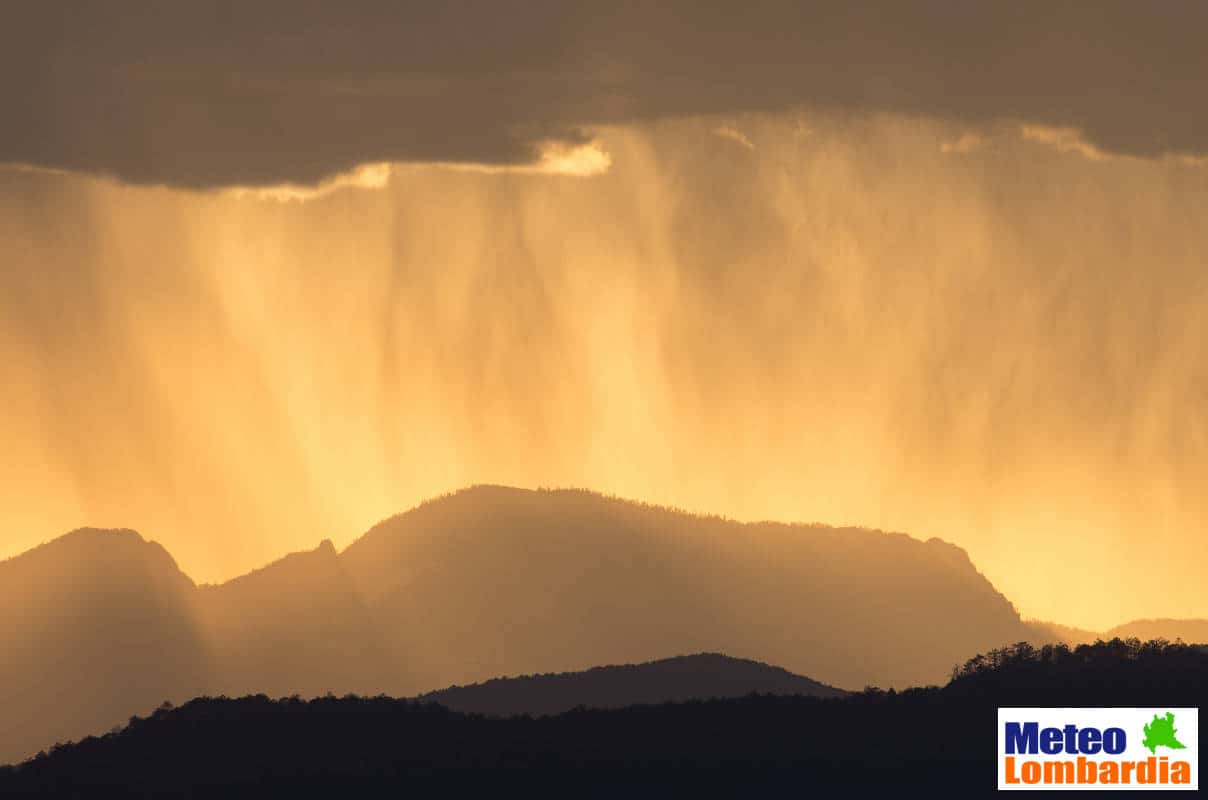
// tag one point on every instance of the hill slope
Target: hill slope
(697, 677)
(1191, 631)
(496, 581)
(94, 626)
(296, 626)
(99, 625)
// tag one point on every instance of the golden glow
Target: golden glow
(555, 158)
(1065, 140)
(582, 161)
(365, 176)
(967, 142)
(849, 326)
(734, 135)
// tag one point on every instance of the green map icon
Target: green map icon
(1161, 733)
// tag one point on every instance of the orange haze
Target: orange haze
(991, 337)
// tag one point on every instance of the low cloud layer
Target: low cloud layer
(274, 93)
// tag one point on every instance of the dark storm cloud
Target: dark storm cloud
(219, 93)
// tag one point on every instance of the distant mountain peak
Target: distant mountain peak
(104, 550)
(320, 563)
(91, 537)
(91, 532)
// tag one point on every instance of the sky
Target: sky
(270, 276)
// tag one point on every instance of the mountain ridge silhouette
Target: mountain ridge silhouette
(615, 579)
(486, 582)
(93, 626)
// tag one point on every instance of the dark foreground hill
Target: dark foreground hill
(919, 743)
(698, 677)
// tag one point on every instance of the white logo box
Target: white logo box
(1015, 770)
